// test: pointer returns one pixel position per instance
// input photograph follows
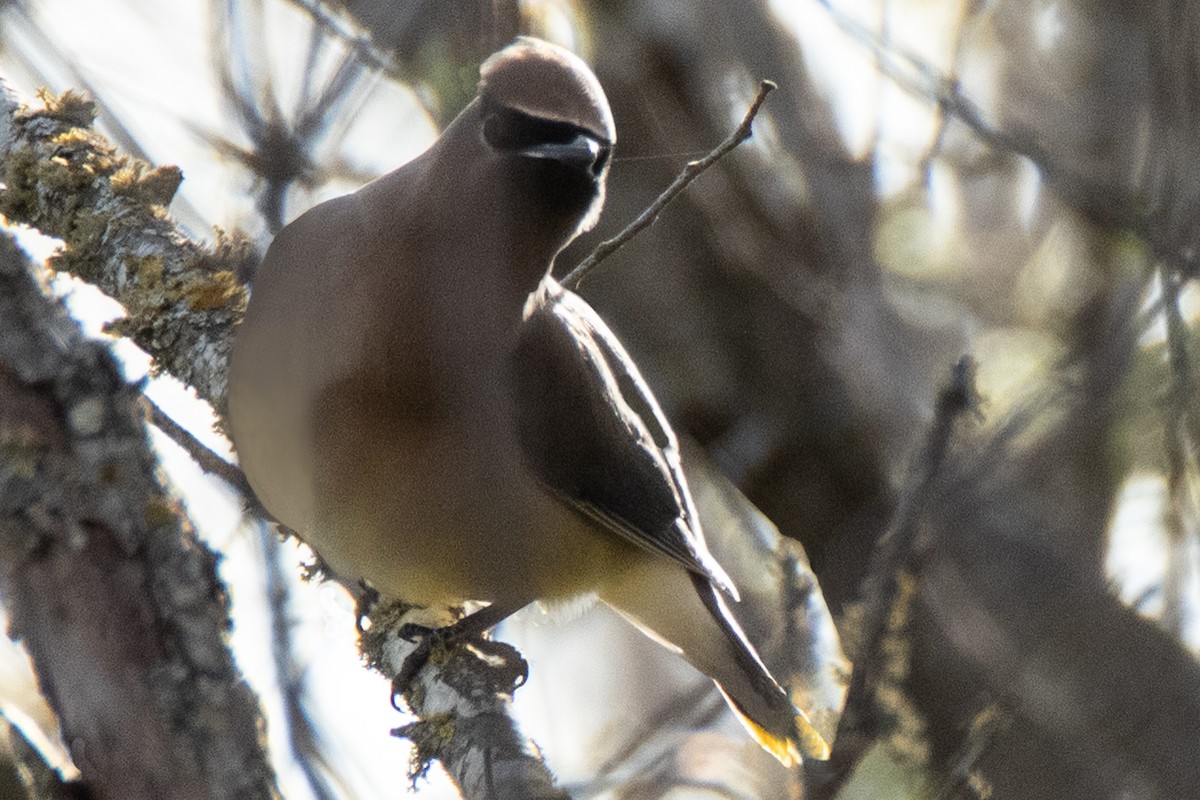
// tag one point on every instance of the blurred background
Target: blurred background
(1015, 181)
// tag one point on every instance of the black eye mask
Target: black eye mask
(509, 130)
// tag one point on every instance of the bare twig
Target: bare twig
(1178, 408)
(964, 779)
(213, 464)
(883, 587)
(895, 545)
(209, 461)
(297, 725)
(691, 171)
(647, 750)
(363, 46)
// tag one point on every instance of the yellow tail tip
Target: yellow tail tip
(803, 741)
(791, 750)
(812, 743)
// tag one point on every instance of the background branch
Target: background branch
(887, 597)
(116, 601)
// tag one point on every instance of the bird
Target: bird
(413, 391)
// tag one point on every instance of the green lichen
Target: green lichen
(147, 271)
(72, 109)
(208, 291)
(79, 157)
(18, 201)
(431, 737)
(83, 233)
(155, 186)
(233, 252)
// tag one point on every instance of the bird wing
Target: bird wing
(594, 434)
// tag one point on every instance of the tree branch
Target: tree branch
(691, 171)
(887, 590)
(462, 696)
(116, 600)
(67, 181)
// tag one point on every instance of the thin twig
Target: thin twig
(964, 779)
(1178, 406)
(651, 745)
(882, 587)
(302, 737)
(362, 45)
(209, 461)
(691, 171)
(895, 545)
(213, 464)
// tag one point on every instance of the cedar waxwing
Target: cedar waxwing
(413, 393)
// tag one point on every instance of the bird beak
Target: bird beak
(584, 152)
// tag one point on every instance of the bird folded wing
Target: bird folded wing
(593, 433)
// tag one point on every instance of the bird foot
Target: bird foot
(507, 664)
(425, 638)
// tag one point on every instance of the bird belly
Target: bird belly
(442, 509)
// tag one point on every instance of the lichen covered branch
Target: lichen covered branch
(461, 696)
(64, 179)
(111, 592)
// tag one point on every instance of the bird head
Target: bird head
(546, 122)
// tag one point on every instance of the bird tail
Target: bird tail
(767, 713)
(804, 742)
(688, 613)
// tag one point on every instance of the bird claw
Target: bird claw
(414, 661)
(411, 631)
(501, 658)
(425, 639)
(505, 661)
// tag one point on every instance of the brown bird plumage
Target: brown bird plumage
(436, 415)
